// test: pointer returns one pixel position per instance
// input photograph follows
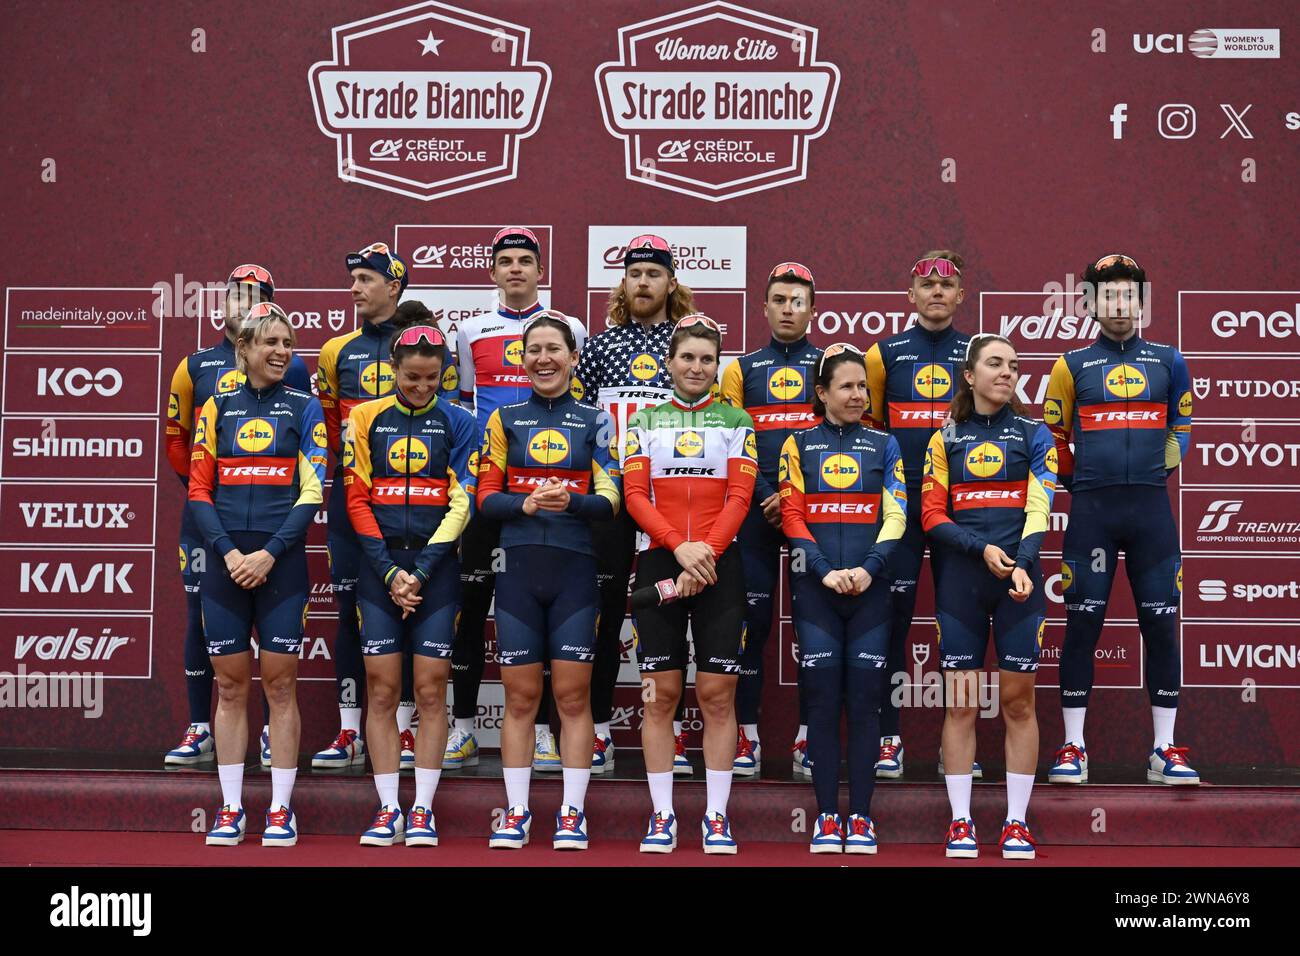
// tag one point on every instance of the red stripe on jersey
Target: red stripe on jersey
(490, 365)
(420, 491)
(768, 417)
(1108, 415)
(524, 480)
(916, 414)
(834, 508)
(256, 470)
(989, 494)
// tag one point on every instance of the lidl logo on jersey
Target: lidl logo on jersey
(472, 467)
(450, 378)
(688, 444)
(349, 454)
(229, 380)
(254, 435)
(377, 379)
(1042, 626)
(1178, 579)
(785, 384)
(513, 352)
(319, 435)
(576, 389)
(751, 446)
(1185, 405)
(931, 382)
(1067, 577)
(898, 468)
(632, 446)
(407, 456)
(550, 446)
(840, 471)
(173, 406)
(200, 431)
(644, 367)
(986, 460)
(1126, 382)
(1052, 411)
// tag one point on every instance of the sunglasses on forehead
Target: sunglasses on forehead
(252, 272)
(421, 333)
(839, 348)
(791, 270)
(378, 248)
(544, 314)
(650, 242)
(698, 318)
(265, 310)
(1115, 259)
(945, 267)
(984, 335)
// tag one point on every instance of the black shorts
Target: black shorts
(716, 616)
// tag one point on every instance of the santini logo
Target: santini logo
(77, 909)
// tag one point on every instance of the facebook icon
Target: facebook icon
(1118, 117)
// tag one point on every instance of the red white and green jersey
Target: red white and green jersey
(688, 472)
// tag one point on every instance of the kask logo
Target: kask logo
(751, 80)
(429, 100)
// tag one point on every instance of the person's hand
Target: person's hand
(404, 589)
(688, 585)
(252, 571)
(234, 558)
(771, 506)
(860, 579)
(1022, 586)
(997, 561)
(696, 558)
(838, 581)
(552, 496)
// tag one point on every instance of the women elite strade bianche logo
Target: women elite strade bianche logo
(430, 100)
(717, 101)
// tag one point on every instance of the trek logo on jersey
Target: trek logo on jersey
(931, 382)
(644, 367)
(513, 352)
(1109, 415)
(986, 460)
(377, 379)
(229, 380)
(552, 447)
(785, 384)
(1067, 577)
(751, 446)
(408, 456)
(1126, 382)
(688, 444)
(254, 435)
(266, 471)
(840, 471)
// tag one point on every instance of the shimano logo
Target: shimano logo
(78, 448)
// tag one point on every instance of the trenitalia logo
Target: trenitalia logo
(1217, 516)
(752, 80)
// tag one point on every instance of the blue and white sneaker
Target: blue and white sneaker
(1169, 765)
(961, 840)
(347, 750)
(717, 834)
(1016, 842)
(661, 834)
(546, 758)
(462, 750)
(749, 756)
(195, 747)
(828, 835)
(602, 754)
(976, 771)
(266, 748)
(388, 827)
(407, 761)
(229, 829)
(281, 828)
(420, 828)
(861, 835)
(570, 829)
(1071, 765)
(513, 832)
(681, 763)
(802, 762)
(889, 762)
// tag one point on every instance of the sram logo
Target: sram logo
(73, 515)
(78, 382)
(108, 577)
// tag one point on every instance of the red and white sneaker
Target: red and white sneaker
(602, 754)
(961, 840)
(1016, 842)
(749, 756)
(195, 747)
(889, 763)
(802, 762)
(420, 828)
(1071, 765)
(347, 750)
(408, 751)
(230, 827)
(681, 763)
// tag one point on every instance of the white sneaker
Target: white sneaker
(195, 747)
(545, 755)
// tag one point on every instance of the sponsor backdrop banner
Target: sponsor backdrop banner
(837, 135)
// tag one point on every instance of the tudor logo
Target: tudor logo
(752, 80)
(78, 382)
(1201, 388)
(921, 653)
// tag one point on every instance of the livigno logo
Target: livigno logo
(717, 101)
(430, 100)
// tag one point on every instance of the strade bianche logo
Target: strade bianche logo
(717, 101)
(429, 100)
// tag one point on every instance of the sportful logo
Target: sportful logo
(429, 100)
(752, 80)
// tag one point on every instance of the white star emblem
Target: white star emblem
(430, 45)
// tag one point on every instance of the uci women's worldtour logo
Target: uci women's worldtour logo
(429, 100)
(717, 101)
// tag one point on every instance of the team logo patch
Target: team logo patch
(576, 389)
(229, 380)
(201, 431)
(785, 384)
(1126, 381)
(184, 560)
(549, 446)
(898, 469)
(986, 460)
(319, 435)
(396, 268)
(514, 352)
(751, 446)
(933, 381)
(689, 444)
(1051, 460)
(644, 367)
(1178, 579)
(407, 456)
(1067, 577)
(632, 445)
(783, 467)
(254, 435)
(1042, 625)
(472, 467)
(173, 406)
(377, 379)
(1185, 405)
(349, 454)
(1052, 411)
(841, 470)
(450, 378)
